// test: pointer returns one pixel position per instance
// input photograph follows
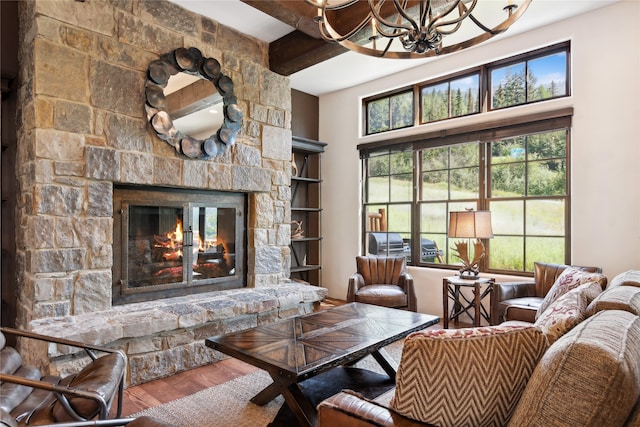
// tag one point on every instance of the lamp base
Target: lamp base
(469, 273)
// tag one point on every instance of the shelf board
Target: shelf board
(306, 239)
(305, 209)
(307, 146)
(304, 268)
(304, 179)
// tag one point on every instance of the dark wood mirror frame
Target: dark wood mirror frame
(191, 61)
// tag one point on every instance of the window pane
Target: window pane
(465, 183)
(465, 95)
(378, 165)
(378, 189)
(402, 162)
(402, 188)
(547, 145)
(373, 211)
(547, 178)
(508, 86)
(547, 77)
(507, 217)
(435, 158)
(402, 110)
(431, 248)
(433, 218)
(545, 217)
(549, 249)
(508, 150)
(435, 102)
(378, 115)
(399, 219)
(464, 155)
(507, 180)
(435, 185)
(507, 253)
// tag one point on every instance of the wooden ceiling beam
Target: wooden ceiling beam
(297, 51)
(304, 47)
(296, 14)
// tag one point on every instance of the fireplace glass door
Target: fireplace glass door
(174, 243)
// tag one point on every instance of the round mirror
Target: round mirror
(184, 94)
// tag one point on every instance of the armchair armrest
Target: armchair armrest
(356, 281)
(87, 394)
(348, 409)
(405, 281)
(88, 348)
(508, 290)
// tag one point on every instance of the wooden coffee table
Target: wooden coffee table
(302, 347)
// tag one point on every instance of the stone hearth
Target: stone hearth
(83, 130)
(167, 336)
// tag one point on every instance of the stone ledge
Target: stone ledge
(148, 318)
(166, 336)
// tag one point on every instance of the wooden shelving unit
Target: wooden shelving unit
(306, 182)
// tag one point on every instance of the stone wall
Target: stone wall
(82, 129)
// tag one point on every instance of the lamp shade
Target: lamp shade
(470, 225)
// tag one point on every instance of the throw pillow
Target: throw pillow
(466, 377)
(569, 279)
(567, 311)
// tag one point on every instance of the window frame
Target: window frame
(482, 134)
(484, 72)
(388, 96)
(526, 58)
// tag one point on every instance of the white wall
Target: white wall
(605, 145)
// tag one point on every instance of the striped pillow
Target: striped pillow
(466, 377)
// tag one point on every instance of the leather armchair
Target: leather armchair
(384, 281)
(31, 398)
(521, 300)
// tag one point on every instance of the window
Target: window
(517, 171)
(390, 112)
(389, 198)
(535, 79)
(452, 98)
(531, 77)
(528, 199)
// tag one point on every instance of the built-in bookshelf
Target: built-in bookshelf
(306, 210)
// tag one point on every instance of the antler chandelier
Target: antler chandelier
(414, 28)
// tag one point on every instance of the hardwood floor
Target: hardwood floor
(164, 390)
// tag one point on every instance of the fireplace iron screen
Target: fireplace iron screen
(172, 243)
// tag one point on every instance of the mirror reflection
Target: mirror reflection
(194, 104)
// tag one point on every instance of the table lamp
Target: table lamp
(470, 224)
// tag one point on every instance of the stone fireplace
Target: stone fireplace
(83, 138)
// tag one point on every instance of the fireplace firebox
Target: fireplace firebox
(171, 242)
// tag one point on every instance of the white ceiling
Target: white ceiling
(350, 69)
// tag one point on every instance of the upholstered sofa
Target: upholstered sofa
(520, 300)
(578, 364)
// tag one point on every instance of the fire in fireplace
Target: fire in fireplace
(170, 242)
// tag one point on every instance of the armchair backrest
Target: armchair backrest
(545, 275)
(380, 269)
